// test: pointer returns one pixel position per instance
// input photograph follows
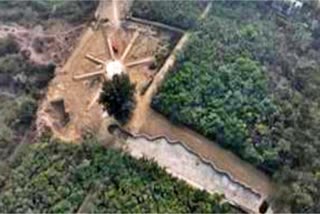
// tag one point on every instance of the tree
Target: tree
(117, 97)
(183, 14)
(55, 177)
(8, 46)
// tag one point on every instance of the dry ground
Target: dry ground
(77, 95)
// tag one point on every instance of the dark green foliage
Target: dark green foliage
(16, 117)
(228, 104)
(22, 80)
(37, 11)
(6, 145)
(24, 74)
(25, 116)
(183, 14)
(219, 88)
(8, 46)
(75, 11)
(286, 50)
(117, 97)
(57, 177)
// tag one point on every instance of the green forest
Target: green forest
(174, 13)
(40, 12)
(55, 177)
(249, 79)
(117, 97)
(21, 83)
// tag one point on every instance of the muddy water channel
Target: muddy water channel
(182, 162)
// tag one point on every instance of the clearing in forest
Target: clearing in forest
(70, 108)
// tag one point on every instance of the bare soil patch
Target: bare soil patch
(77, 95)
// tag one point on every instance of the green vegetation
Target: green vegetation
(8, 46)
(183, 14)
(54, 177)
(57, 178)
(227, 99)
(117, 97)
(20, 84)
(227, 103)
(37, 11)
(249, 79)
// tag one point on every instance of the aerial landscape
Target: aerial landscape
(159, 106)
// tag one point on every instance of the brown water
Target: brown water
(157, 125)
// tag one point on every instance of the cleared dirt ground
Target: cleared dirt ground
(73, 118)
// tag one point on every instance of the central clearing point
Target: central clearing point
(114, 68)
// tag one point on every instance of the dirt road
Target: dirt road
(143, 102)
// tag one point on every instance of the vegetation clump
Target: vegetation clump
(117, 97)
(54, 177)
(227, 99)
(267, 115)
(8, 46)
(38, 12)
(20, 85)
(183, 14)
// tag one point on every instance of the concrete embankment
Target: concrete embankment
(180, 161)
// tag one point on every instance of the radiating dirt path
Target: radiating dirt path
(68, 109)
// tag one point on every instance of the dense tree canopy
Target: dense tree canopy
(227, 103)
(58, 178)
(278, 114)
(117, 97)
(249, 79)
(37, 11)
(183, 14)
(227, 99)
(20, 84)
(8, 46)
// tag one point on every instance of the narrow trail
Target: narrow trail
(116, 20)
(113, 11)
(143, 102)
